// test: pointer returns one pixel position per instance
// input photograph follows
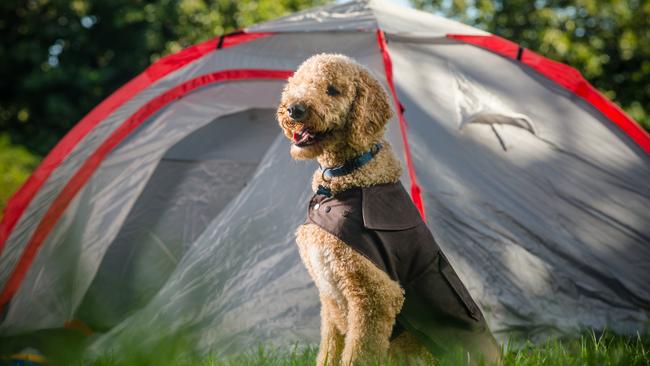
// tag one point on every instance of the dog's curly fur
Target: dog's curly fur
(359, 302)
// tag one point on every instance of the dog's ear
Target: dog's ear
(369, 112)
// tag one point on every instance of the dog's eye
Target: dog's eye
(332, 91)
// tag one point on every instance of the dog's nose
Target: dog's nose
(296, 111)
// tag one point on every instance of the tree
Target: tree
(607, 40)
(16, 163)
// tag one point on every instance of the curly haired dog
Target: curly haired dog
(384, 285)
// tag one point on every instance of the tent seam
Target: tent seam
(388, 70)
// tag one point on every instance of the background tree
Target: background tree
(60, 58)
(607, 40)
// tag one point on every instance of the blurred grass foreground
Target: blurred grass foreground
(590, 349)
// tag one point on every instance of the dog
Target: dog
(384, 285)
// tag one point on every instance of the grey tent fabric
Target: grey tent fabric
(81, 238)
(189, 185)
(539, 201)
(550, 195)
(366, 16)
(338, 17)
(259, 292)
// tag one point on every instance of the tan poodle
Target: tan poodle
(384, 285)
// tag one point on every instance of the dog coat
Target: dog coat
(382, 223)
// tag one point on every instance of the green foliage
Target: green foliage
(607, 40)
(60, 58)
(16, 163)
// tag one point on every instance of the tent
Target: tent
(171, 207)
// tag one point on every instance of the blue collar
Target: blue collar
(351, 165)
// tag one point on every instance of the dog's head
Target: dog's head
(332, 104)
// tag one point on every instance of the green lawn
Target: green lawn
(590, 349)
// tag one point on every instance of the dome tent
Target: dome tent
(171, 206)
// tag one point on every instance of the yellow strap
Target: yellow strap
(28, 357)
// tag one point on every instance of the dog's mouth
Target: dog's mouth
(305, 137)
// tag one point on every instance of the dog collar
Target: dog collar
(350, 165)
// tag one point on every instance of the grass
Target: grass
(591, 349)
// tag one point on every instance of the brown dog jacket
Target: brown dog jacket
(382, 223)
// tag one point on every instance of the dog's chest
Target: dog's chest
(324, 268)
(324, 264)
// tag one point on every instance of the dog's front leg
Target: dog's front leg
(331, 337)
(368, 335)
(374, 301)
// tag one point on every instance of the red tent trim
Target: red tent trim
(166, 65)
(84, 173)
(566, 76)
(388, 69)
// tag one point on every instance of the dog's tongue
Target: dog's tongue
(301, 136)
